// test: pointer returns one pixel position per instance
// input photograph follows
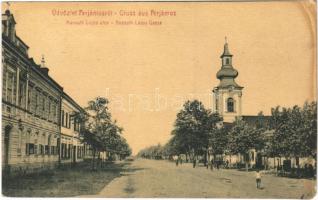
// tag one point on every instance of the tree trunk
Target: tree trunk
(298, 166)
(246, 161)
(93, 160)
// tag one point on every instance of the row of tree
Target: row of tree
(100, 132)
(289, 132)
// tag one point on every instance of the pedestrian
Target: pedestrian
(180, 160)
(194, 162)
(211, 164)
(258, 179)
(177, 162)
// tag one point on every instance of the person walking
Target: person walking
(258, 179)
(194, 162)
(212, 164)
(180, 160)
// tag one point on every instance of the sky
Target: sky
(149, 70)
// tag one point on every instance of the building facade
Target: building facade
(72, 148)
(31, 104)
(39, 130)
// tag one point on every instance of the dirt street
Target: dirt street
(151, 178)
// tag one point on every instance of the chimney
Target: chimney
(43, 68)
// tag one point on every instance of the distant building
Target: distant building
(31, 104)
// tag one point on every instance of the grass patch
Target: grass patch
(63, 182)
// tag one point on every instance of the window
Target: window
(66, 120)
(230, 105)
(75, 124)
(36, 102)
(4, 80)
(49, 110)
(30, 149)
(41, 149)
(43, 104)
(54, 112)
(62, 117)
(47, 150)
(35, 149)
(10, 87)
(22, 95)
(69, 151)
(227, 61)
(29, 98)
(53, 150)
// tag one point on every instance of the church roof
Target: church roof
(226, 51)
(251, 120)
(227, 73)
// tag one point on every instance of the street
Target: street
(156, 178)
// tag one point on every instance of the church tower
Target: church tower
(227, 96)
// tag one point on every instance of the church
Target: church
(227, 101)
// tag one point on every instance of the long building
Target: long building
(38, 131)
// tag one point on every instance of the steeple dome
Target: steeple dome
(227, 73)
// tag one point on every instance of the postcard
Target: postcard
(210, 99)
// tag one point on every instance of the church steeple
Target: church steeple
(228, 94)
(226, 56)
(227, 73)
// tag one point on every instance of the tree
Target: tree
(152, 152)
(190, 132)
(99, 131)
(217, 136)
(295, 131)
(243, 138)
